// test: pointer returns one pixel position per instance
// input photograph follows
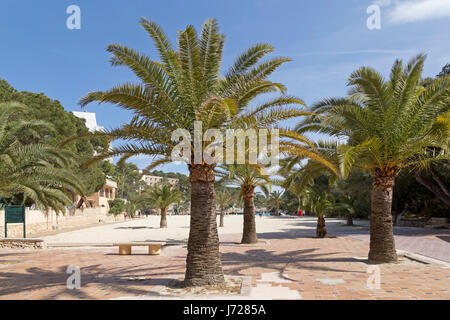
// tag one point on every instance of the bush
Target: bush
(116, 206)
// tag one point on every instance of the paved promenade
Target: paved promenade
(288, 264)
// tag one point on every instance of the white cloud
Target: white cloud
(351, 52)
(382, 3)
(416, 10)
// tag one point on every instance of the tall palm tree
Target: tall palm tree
(161, 197)
(247, 177)
(223, 199)
(186, 86)
(33, 173)
(391, 125)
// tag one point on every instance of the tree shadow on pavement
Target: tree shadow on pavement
(136, 280)
(300, 259)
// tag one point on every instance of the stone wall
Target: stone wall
(415, 223)
(422, 222)
(22, 243)
(38, 222)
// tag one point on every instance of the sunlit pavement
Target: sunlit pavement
(288, 264)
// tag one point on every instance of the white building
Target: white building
(91, 124)
(100, 198)
(154, 180)
(91, 120)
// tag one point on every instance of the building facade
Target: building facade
(154, 180)
(100, 198)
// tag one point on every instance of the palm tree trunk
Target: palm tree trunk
(349, 219)
(277, 209)
(249, 232)
(321, 229)
(221, 218)
(203, 265)
(382, 244)
(163, 222)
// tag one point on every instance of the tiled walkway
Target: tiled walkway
(333, 268)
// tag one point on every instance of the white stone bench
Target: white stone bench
(154, 248)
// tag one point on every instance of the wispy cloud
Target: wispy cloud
(383, 3)
(405, 11)
(352, 52)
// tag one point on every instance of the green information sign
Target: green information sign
(15, 214)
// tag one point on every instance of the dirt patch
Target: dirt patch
(402, 260)
(175, 287)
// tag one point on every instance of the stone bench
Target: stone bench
(154, 248)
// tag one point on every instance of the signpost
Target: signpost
(15, 214)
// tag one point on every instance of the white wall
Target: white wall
(38, 222)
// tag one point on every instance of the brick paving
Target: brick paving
(430, 246)
(332, 268)
(434, 243)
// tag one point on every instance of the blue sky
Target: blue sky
(327, 39)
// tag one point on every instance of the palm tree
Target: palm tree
(247, 177)
(319, 203)
(223, 199)
(431, 180)
(33, 173)
(390, 126)
(299, 178)
(297, 183)
(346, 204)
(122, 175)
(132, 205)
(186, 86)
(296, 176)
(275, 198)
(161, 197)
(265, 193)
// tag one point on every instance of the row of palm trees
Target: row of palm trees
(186, 86)
(388, 125)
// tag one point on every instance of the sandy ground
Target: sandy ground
(147, 229)
(428, 242)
